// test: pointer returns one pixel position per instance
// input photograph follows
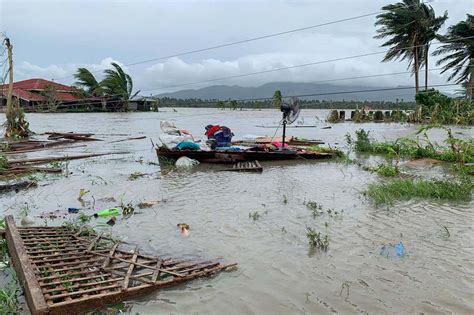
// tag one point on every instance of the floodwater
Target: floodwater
(278, 273)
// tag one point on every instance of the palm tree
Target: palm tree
(459, 47)
(119, 84)
(86, 80)
(431, 24)
(410, 26)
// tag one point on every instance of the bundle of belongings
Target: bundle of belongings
(175, 138)
(218, 136)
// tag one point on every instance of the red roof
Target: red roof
(28, 90)
(39, 84)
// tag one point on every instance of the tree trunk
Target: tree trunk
(104, 103)
(426, 67)
(417, 68)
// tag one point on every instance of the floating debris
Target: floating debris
(68, 271)
(184, 228)
(253, 166)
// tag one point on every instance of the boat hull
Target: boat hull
(240, 156)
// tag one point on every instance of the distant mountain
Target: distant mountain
(225, 92)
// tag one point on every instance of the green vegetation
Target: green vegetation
(386, 170)
(406, 189)
(115, 88)
(316, 239)
(277, 99)
(459, 47)
(333, 116)
(437, 108)
(9, 294)
(410, 26)
(3, 163)
(315, 208)
(459, 150)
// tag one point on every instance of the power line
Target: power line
(252, 39)
(241, 41)
(290, 67)
(301, 95)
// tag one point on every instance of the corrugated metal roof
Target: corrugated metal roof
(39, 84)
(28, 90)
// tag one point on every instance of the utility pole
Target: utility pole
(16, 125)
(10, 110)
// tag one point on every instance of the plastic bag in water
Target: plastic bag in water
(185, 162)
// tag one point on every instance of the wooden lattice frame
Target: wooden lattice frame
(66, 272)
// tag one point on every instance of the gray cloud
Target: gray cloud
(51, 39)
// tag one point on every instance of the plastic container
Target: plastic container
(107, 212)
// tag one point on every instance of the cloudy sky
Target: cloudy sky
(52, 38)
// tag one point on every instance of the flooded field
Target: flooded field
(278, 273)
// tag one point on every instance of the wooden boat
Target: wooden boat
(214, 156)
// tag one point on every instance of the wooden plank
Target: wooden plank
(92, 244)
(33, 293)
(130, 269)
(111, 254)
(156, 272)
(141, 265)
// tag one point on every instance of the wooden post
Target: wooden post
(10, 109)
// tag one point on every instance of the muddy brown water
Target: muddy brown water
(278, 272)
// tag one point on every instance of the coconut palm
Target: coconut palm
(86, 81)
(118, 84)
(459, 47)
(431, 25)
(410, 26)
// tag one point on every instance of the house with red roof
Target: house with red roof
(33, 93)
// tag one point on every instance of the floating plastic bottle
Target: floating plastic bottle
(107, 212)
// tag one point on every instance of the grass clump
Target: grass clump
(406, 189)
(316, 239)
(457, 150)
(3, 163)
(386, 170)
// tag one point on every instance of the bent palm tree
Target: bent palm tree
(119, 84)
(86, 80)
(459, 47)
(431, 25)
(410, 26)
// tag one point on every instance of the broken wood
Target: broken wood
(127, 139)
(65, 273)
(17, 186)
(252, 166)
(61, 158)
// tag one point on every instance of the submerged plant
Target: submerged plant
(9, 295)
(316, 239)
(254, 215)
(387, 170)
(315, 208)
